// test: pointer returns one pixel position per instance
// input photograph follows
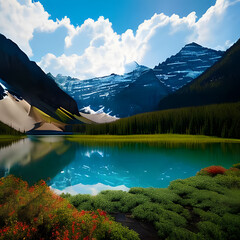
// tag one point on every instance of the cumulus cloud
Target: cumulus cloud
(214, 26)
(107, 52)
(95, 49)
(19, 19)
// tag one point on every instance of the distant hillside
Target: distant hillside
(219, 84)
(222, 120)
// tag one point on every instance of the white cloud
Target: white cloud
(94, 49)
(214, 24)
(19, 19)
(106, 51)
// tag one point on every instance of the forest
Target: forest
(221, 120)
(6, 130)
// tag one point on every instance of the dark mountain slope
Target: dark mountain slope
(219, 84)
(28, 80)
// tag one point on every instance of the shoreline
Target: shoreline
(171, 138)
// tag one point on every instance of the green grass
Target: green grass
(171, 138)
(199, 207)
(9, 137)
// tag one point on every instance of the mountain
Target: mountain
(30, 100)
(219, 84)
(186, 65)
(141, 89)
(120, 95)
(26, 79)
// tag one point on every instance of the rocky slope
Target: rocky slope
(186, 65)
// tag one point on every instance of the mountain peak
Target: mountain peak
(192, 44)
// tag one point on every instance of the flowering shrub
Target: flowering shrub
(212, 170)
(38, 213)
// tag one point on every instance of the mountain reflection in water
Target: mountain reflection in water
(89, 167)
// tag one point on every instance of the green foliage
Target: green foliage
(196, 208)
(231, 224)
(155, 212)
(210, 230)
(37, 213)
(208, 216)
(6, 130)
(205, 120)
(182, 234)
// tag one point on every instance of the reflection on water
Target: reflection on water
(36, 158)
(92, 167)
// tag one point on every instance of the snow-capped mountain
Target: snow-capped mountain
(119, 95)
(219, 84)
(141, 89)
(186, 65)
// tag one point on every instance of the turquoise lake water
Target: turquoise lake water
(89, 168)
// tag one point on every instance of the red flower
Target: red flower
(73, 227)
(43, 183)
(102, 213)
(214, 170)
(94, 227)
(11, 213)
(31, 189)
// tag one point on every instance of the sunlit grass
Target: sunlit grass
(174, 138)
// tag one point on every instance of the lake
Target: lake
(91, 167)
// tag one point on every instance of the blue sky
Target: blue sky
(123, 14)
(89, 38)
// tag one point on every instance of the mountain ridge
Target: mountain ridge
(190, 62)
(218, 84)
(119, 95)
(116, 93)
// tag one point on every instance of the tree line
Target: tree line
(221, 120)
(6, 130)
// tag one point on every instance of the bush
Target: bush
(37, 213)
(212, 171)
(187, 209)
(210, 230)
(182, 234)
